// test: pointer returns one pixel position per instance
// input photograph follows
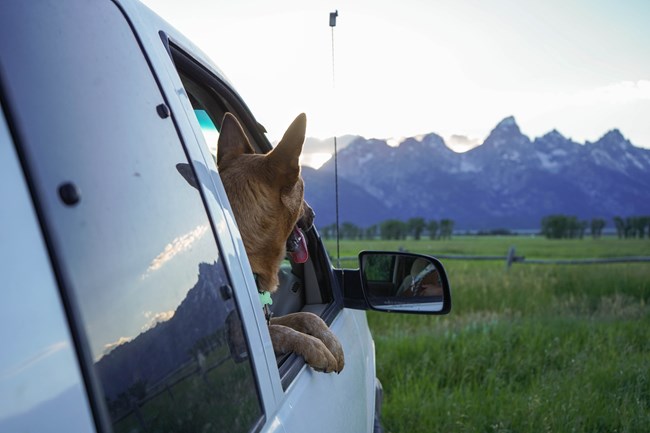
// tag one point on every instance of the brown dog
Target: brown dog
(266, 193)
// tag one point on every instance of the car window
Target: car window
(138, 257)
(208, 128)
(163, 325)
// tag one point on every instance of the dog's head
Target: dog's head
(267, 196)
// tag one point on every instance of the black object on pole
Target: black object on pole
(333, 16)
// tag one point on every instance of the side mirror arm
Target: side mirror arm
(350, 282)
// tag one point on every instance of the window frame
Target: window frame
(184, 63)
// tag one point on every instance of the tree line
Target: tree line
(557, 226)
(392, 229)
(570, 227)
(632, 227)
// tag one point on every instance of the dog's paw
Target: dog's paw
(334, 346)
(311, 324)
(317, 355)
(313, 350)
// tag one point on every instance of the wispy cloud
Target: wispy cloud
(30, 362)
(120, 341)
(155, 318)
(462, 143)
(177, 246)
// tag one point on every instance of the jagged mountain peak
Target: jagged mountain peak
(508, 123)
(367, 143)
(614, 134)
(507, 127)
(362, 147)
(358, 152)
(506, 134)
(553, 141)
(430, 141)
(615, 152)
(613, 139)
(554, 134)
(435, 141)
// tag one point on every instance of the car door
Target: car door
(156, 316)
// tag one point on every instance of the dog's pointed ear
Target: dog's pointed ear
(286, 154)
(232, 140)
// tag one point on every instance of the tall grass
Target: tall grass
(538, 348)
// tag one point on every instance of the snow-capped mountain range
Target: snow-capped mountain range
(509, 181)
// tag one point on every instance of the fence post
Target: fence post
(510, 257)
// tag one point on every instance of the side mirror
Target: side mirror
(404, 282)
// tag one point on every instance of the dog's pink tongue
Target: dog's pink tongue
(300, 255)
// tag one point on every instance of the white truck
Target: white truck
(128, 303)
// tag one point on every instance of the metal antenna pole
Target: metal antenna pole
(333, 16)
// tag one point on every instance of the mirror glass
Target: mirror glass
(404, 282)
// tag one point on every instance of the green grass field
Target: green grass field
(539, 348)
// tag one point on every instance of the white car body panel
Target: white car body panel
(54, 48)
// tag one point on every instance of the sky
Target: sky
(454, 67)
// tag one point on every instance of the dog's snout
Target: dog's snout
(306, 221)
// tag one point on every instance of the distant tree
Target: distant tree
(393, 229)
(575, 227)
(416, 227)
(401, 229)
(324, 232)
(637, 226)
(446, 228)
(620, 227)
(556, 226)
(629, 227)
(571, 227)
(328, 232)
(564, 227)
(551, 227)
(350, 231)
(582, 228)
(432, 228)
(644, 225)
(597, 225)
(371, 232)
